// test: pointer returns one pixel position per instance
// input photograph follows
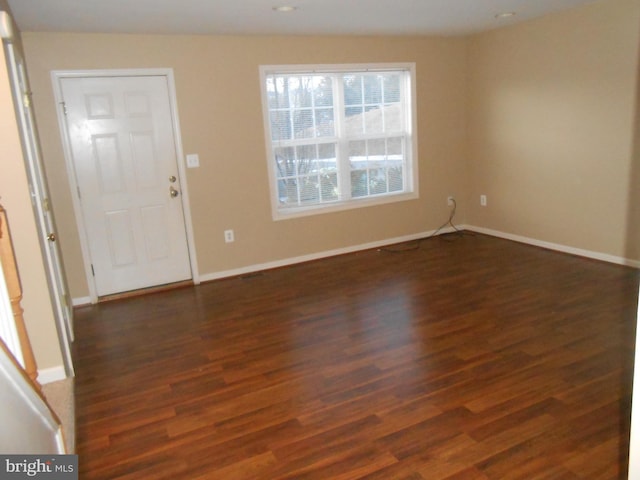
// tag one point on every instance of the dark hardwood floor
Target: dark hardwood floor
(470, 357)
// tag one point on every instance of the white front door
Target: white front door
(123, 149)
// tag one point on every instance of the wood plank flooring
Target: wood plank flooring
(468, 358)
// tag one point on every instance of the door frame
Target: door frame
(56, 77)
(56, 279)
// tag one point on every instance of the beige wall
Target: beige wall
(217, 81)
(551, 116)
(14, 196)
(540, 117)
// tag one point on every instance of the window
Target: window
(339, 136)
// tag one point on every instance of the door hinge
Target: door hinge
(26, 99)
(64, 108)
(46, 206)
(64, 300)
(93, 272)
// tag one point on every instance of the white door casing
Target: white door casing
(45, 221)
(122, 146)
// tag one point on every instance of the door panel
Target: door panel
(154, 219)
(122, 143)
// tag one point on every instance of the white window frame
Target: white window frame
(411, 187)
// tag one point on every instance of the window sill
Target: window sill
(298, 212)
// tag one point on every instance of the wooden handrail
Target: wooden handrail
(10, 267)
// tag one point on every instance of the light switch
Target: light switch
(193, 161)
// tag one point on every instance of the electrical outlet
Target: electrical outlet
(450, 200)
(229, 237)
(483, 200)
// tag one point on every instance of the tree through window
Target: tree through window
(336, 137)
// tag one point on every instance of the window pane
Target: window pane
(378, 181)
(372, 89)
(306, 158)
(303, 124)
(358, 164)
(327, 167)
(377, 151)
(352, 89)
(301, 91)
(353, 122)
(285, 162)
(310, 90)
(359, 182)
(377, 164)
(373, 119)
(396, 181)
(277, 92)
(280, 125)
(393, 118)
(309, 189)
(323, 92)
(358, 155)
(288, 192)
(395, 162)
(327, 157)
(307, 174)
(394, 148)
(329, 186)
(391, 87)
(325, 125)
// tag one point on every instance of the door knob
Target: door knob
(172, 179)
(173, 192)
(51, 237)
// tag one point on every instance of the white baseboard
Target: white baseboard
(558, 247)
(50, 375)
(317, 256)
(80, 301)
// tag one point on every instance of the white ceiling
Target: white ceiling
(324, 17)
